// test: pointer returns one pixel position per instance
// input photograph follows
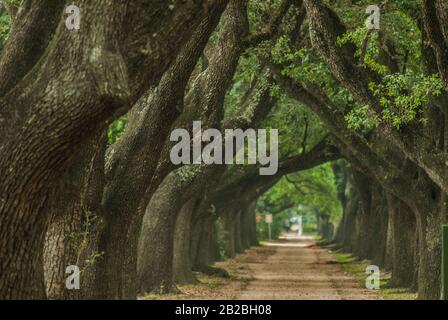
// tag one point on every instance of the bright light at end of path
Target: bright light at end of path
(293, 240)
(294, 245)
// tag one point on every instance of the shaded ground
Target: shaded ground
(298, 269)
(294, 268)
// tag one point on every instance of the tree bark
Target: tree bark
(429, 221)
(350, 212)
(230, 230)
(182, 264)
(405, 244)
(204, 249)
(379, 223)
(146, 172)
(238, 232)
(246, 225)
(68, 93)
(73, 233)
(325, 29)
(155, 261)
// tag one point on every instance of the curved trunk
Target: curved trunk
(404, 244)
(93, 80)
(246, 226)
(167, 228)
(182, 265)
(364, 215)
(116, 261)
(340, 232)
(388, 260)
(155, 258)
(372, 220)
(379, 223)
(429, 234)
(350, 234)
(238, 231)
(163, 106)
(230, 230)
(72, 236)
(203, 255)
(155, 250)
(325, 227)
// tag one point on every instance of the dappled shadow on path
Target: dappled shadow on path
(296, 268)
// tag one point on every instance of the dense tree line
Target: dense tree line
(86, 117)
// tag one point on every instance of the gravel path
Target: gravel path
(293, 268)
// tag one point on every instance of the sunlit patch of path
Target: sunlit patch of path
(296, 268)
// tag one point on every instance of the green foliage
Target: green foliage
(359, 119)
(276, 227)
(5, 21)
(304, 65)
(371, 54)
(403, 96)
(356, 268)
(116, 129)
(5, 24)
(80, 240)
(308, 193)
(222, 234)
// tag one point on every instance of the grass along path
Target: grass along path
(293, 268)
(351, 265)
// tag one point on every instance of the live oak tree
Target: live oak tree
(77, 190)
(396, 123)
(204, 102)
(56, 88)
(134, 158)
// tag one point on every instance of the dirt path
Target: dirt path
(292, 268)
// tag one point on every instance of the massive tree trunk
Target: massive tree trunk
(206, 101)
(182, 264)
(136, 156)
(325, 227)
(228, 216)
(372, 220)
(364, 216)
(325, 28)
(180, 189)
(207, 93)
(435, 20)
(202, 250)
(73, 88)
(429, 277)
(429, 220)
(72, 236)
(404, 244)
(253, 238)
(349, 222)
(155, 259)
(379, 223)
(248, 233)
(238, 231)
